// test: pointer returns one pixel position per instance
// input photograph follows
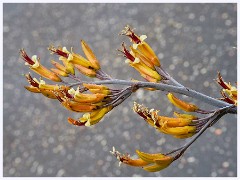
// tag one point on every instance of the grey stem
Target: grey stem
(165, 87)
(216, 116)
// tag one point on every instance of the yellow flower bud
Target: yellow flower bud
(182, 104)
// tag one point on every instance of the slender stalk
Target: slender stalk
(165, 87)
(168, 76)
(216, 116)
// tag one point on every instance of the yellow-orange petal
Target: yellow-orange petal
(90, 55)
(32, 89)
(59, 72)
(181, 104)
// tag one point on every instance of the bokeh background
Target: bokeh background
(193, 41)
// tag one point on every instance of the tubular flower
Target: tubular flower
(34, 84)
(181, 126)
(76, 106)
(91, 118)
(140, 65)
(149, 162)
(46, 89)
(228, 91)
(90, 55)
(65, 57)
(140, 45)
(86, 71)
(94, 117)
(88, 67)
(38, 68)
(101, 101)
(60, 69)
(182, 104)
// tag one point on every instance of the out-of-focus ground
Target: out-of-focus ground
(193, 41)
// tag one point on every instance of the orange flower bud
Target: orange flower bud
(90, 55)
(86, 71)
(182, 104)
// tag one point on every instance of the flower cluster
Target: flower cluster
(141, 56)
(95, 105)
(149, 162)
(180, 126)
(91, 99)
(96, 99)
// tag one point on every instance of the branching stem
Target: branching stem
(213, 119)
(165, 87)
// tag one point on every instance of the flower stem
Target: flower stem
(165, 87)
(215, 117)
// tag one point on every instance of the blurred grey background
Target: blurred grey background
(193, 41)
